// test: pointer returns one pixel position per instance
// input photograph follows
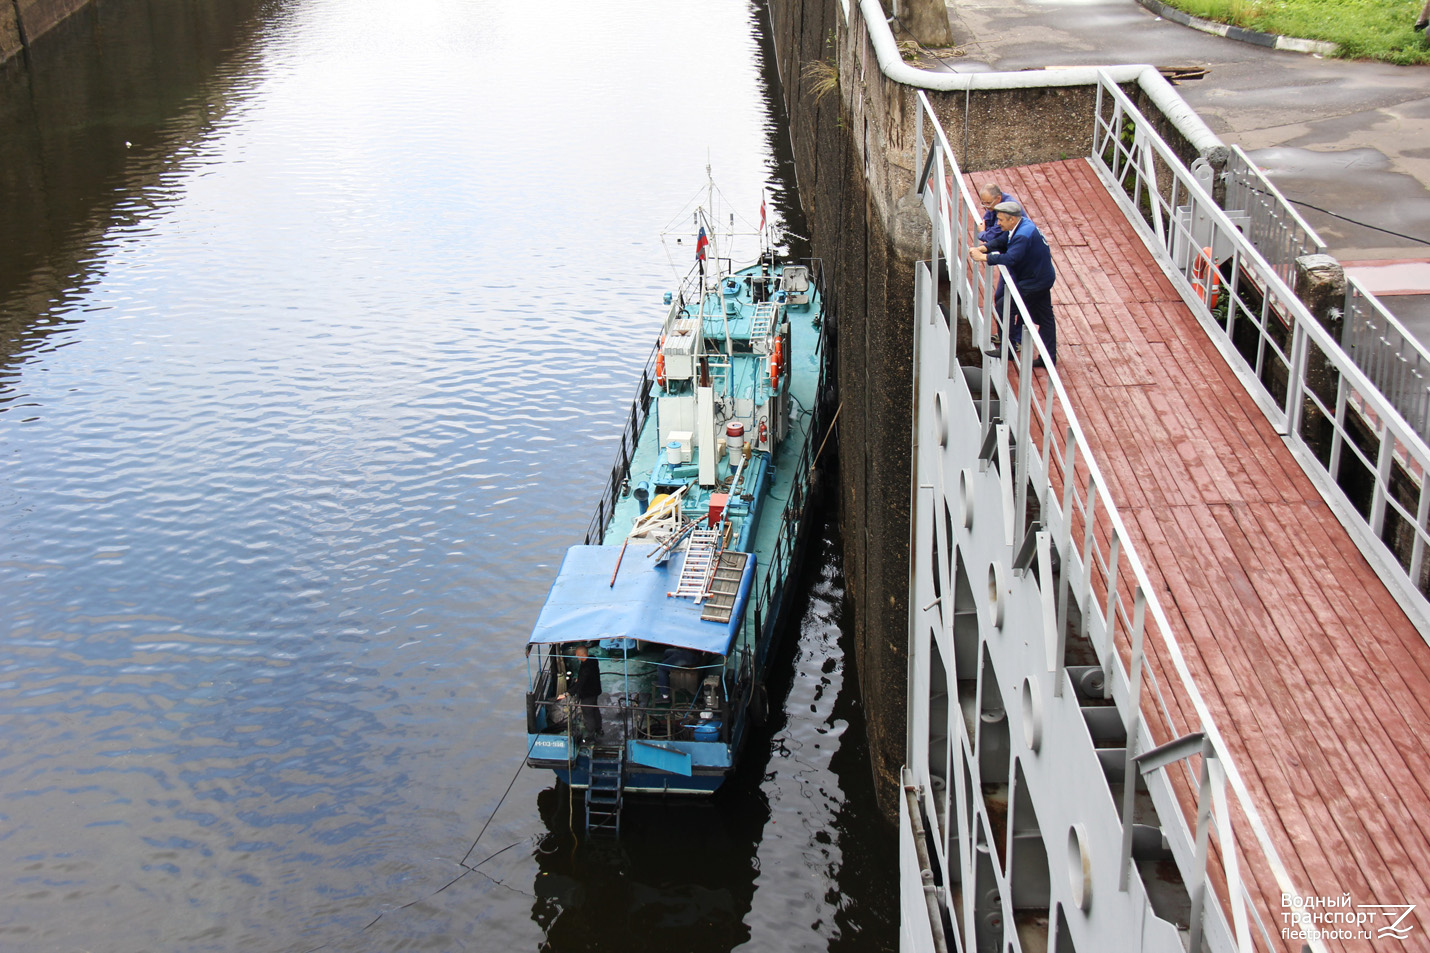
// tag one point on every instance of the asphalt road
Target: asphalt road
(1350, 138)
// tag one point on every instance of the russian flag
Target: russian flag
(700, 242)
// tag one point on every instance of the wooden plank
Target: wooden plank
(1118, 470)
(1338, 738)
(1236, 703)
(1290, 730)
(1375, 622)
(1315, 678)
(1368, 650)
(1149, 433)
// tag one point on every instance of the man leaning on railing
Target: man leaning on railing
(1023, 250)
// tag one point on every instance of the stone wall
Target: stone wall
(112, 86)
(10, 41)
(24, 21)
(854, 140)
(871, 286)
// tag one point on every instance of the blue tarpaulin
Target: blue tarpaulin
(583, 605)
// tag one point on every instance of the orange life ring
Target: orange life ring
(776, 363)
(1206, 279)
(660, 364)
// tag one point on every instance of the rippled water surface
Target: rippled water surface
(318, 322)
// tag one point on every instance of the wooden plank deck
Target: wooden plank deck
(1315, 677)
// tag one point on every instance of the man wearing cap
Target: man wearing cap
(1024, 251)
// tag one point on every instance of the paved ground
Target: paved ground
(1351, 138)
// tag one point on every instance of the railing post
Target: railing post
(1382, 479)
(1097, 136)
(1333, 468)
(1231, 864)
(1005, 483)
(1064, 544)
(1296, 380)
(1047, 457)
(1197, 888)
(1417, 548)
(1087, 541)
(1134, 723)
(1052, 637)
(919, 140)
(1024, 441)
(1109, 617)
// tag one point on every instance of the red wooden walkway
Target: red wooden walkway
(1315, 677)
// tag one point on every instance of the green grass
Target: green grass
(1364, 29)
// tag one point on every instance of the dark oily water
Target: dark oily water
(319, 320)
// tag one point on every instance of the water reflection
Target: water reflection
(679, 877)
(302, 396)
(791, 853)
(107, 104)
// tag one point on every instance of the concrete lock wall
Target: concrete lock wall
(23, 21)
(854, 140)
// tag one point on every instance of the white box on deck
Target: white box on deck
(687, 443)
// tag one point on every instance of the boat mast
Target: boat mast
(711, 221)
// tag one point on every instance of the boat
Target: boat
(676, 594)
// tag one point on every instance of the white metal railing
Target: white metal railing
(1388, 354)
(1119, 608)
(1320, 398)
(1276, 229)
(1392, 357)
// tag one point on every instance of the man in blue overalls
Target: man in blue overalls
(1023, 250)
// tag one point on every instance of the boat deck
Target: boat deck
(1316, 678)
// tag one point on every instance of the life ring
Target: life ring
(660, 364)
(776, 362)
(1206, 279)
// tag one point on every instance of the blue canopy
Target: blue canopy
(583, 605)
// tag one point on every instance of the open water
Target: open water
(319, 320)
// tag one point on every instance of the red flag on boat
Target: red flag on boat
(700, 242)
(762, 212)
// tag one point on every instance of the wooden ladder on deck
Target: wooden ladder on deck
(724, 586)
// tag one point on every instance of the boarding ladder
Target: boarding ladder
(700, 555)
(606, 789)
(760, 324)
(724, 586)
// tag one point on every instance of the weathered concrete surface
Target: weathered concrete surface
(854, 139)
(1350, 138)
(38, 17)
(926, 20)
(72, 132)
(24, 21)
(872, 291)
(1321, 286)
(10, 41)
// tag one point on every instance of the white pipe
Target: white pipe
(1153, 83)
